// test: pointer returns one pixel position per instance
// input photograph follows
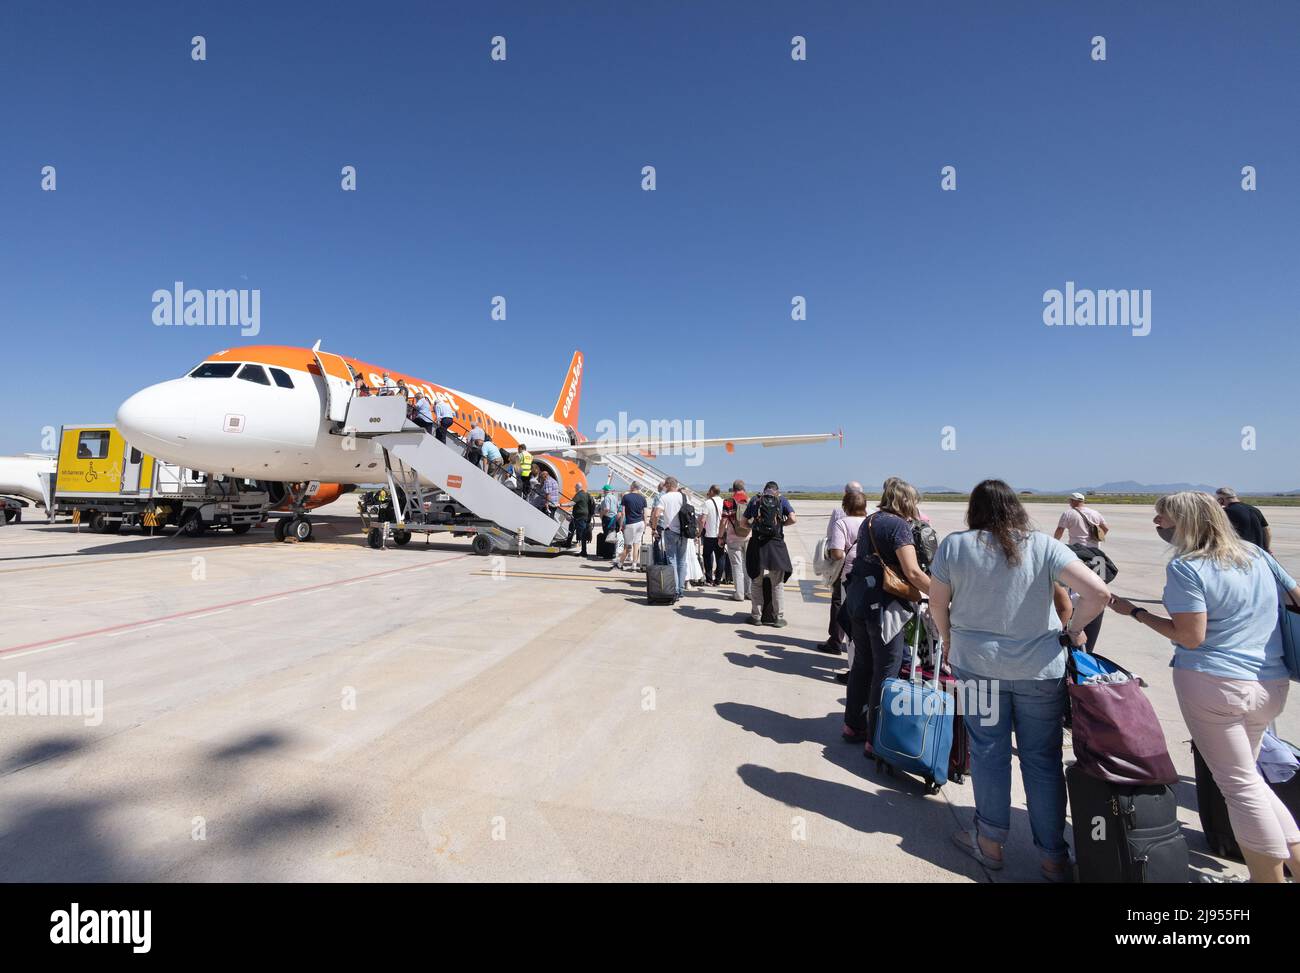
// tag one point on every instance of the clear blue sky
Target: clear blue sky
(775, 179)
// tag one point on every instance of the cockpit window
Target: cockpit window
(282, 378)
(254, 373)
(215, 369)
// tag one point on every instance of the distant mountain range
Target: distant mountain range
(1114, 486)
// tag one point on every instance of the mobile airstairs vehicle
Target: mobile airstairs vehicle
(433, 489)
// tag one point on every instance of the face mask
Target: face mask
(1166, 534)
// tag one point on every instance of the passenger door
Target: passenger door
(338, 384)
(131, 463)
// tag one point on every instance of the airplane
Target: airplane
(26, 476)
(274, 413)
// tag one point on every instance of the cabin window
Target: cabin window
(215, 369)
(137, 457)
(254, 373)
(92, 445)
(282, 378)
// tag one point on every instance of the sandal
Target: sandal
(969, 842)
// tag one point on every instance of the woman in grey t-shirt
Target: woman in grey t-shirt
(992, 594)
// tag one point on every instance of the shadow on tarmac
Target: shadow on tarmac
(49, 839)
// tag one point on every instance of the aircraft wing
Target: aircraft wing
(651, 446)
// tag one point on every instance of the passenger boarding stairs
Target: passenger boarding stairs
(416, 460)
(633, 469)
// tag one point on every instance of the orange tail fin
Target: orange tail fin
(566, 406)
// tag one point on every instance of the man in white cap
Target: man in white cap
(1083, 524)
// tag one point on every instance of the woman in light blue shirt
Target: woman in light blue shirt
(994, 596)
(1222, 596)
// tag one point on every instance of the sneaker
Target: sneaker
(755, 620)
(780, 623)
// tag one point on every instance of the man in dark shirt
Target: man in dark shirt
(766, 556)
(580, 518)
(632, 516)
(1246, 520)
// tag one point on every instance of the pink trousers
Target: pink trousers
(1227, 718)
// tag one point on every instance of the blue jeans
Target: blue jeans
(1033, 709)
(675, 550)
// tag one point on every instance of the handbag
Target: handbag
(1114, 730)
(894, 583)
(1288, 619)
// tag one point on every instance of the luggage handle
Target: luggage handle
(915, 646)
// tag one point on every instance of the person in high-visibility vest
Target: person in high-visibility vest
(524, 463)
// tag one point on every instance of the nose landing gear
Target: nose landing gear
(296, 527)
(293, 529)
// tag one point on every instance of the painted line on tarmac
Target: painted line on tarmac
(48, 648)
(131, 631)
(559, 577)
(213, 609)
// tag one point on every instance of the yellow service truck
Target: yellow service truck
(103, 481)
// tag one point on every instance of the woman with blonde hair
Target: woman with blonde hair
(885, 540)
(1229, 673)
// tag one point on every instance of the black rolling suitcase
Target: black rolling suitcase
(660, 579)
(1213, 809)
(604, 549)
(1125, 833)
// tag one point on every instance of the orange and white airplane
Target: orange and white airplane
(273, 413)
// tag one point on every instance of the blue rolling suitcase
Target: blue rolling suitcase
(914, 727)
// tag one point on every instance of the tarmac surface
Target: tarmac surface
(323, 711)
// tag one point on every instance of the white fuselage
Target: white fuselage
(20, 476)
(267, 432)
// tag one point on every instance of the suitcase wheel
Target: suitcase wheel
(931, 787)
(958, 778)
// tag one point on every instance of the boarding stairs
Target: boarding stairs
(633, 469)
(420, 468)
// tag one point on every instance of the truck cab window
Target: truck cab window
(254, 373)
(215, 369)
(92, 445)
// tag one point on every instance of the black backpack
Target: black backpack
(927, 544)
(688, 524)
(767, 520)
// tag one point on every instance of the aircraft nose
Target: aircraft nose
(157, 419)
